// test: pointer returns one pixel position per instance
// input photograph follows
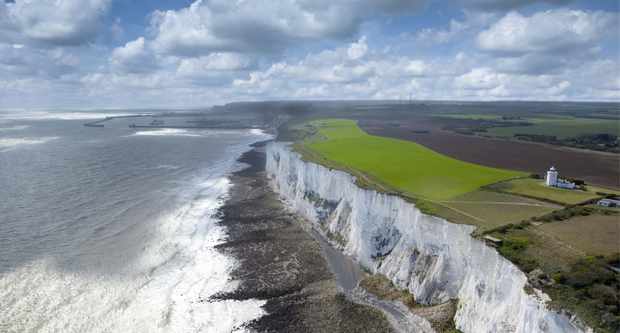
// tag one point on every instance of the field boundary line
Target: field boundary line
(459, 211)
(498, 203)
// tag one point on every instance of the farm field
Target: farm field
(536, 188)
(593, 167)
(488, 209)
(561, 127)
(593, 234)
(470, 116)
(575, 254)
(406, 167)
(588, 131)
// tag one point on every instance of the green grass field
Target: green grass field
(403, 166)
(535, 188)
(561, 127)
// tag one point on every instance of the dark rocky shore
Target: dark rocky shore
(282, 263)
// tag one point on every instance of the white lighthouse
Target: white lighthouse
(552, 177)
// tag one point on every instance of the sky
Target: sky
(165, 53)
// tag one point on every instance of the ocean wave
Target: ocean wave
(11, 143)
(58, 115)
(167, 167)
(169, 132)
(14, 128)
(166, 288)
(257, 131)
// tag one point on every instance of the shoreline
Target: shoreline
(279, 261)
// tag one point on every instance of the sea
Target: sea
(114, 229)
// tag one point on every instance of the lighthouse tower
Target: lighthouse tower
(552, 177)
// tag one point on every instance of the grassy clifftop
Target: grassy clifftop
(564, 245)
(403, 166)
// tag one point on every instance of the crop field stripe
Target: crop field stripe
(403, 165)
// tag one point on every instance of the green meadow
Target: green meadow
(401, 166)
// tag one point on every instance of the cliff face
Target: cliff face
(434, 259)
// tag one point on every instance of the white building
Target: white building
(609, 203)
(561, 183)
(553, 180)
(552, 177)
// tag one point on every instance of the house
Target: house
(492, 240)
(561, 183)
(609, 202)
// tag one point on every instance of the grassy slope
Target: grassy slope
(416, 171)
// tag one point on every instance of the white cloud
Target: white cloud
(341, 73)
(251, 26)
(496, 5)
(546, 42)
(442, 35)
(51, 22)
(333, 73)
(215, 62)
(111, 83)
(18, 60)
(116, 29)
(217, 51)
(549, 31)
(133, 57)
(214, 69)
(486, 83)
(358, 50)
(480, 79)
(599, 79)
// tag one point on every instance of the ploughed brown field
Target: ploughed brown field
(593, 167)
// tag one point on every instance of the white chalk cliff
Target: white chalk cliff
(434, 259)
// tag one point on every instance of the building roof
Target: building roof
(492, 239)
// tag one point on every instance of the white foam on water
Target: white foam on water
(168, 132)
(11, 143)
(167, 288)
(59, 115)
(167, 167)
(14, 128)
(259, 134)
